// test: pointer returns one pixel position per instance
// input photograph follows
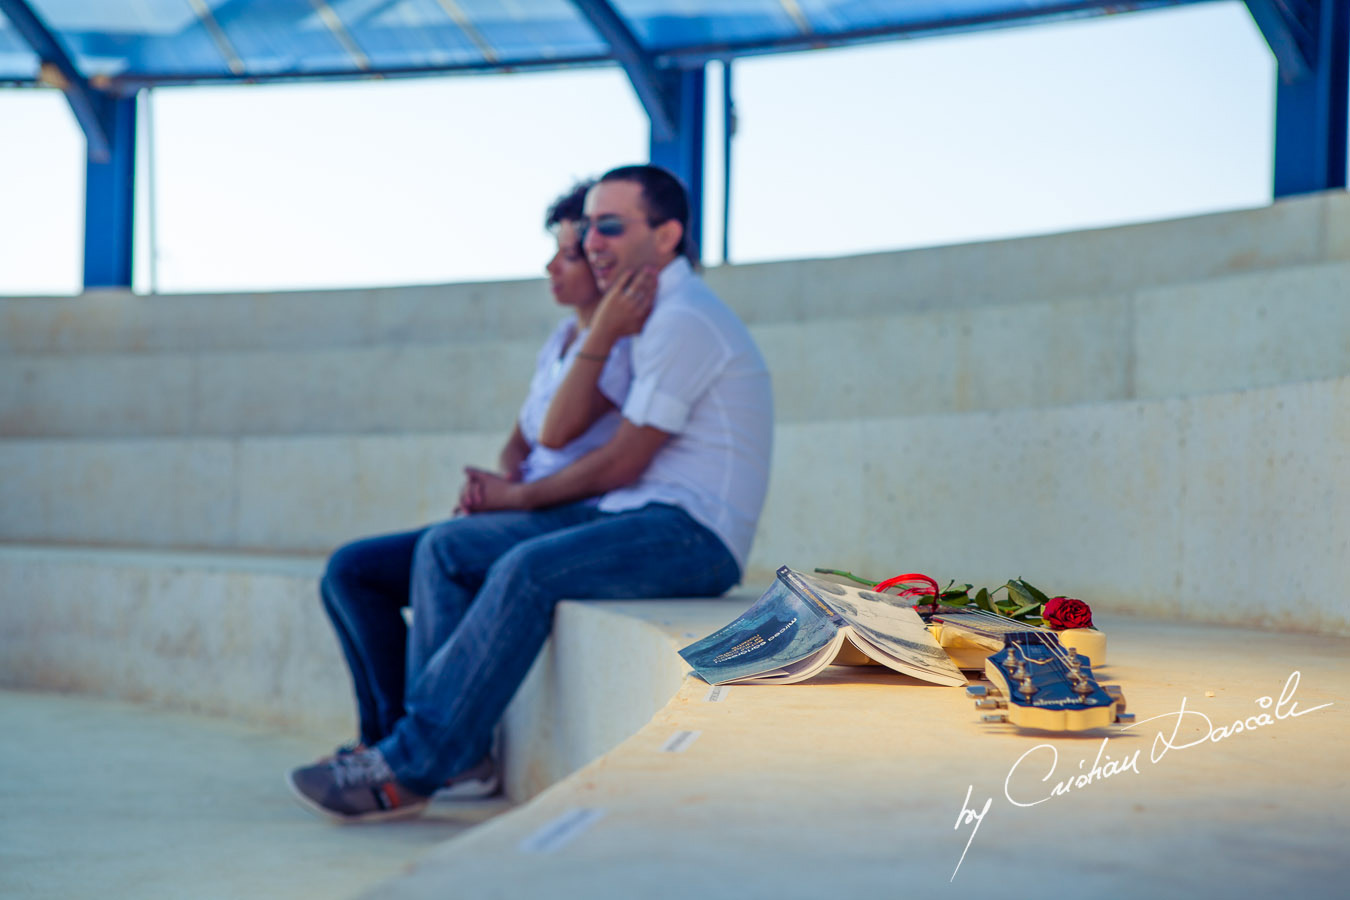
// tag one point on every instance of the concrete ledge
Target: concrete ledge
(1290, 232)
(245, 637)
(287, 495)
(394, 388)
(1169, 506)
(1254, 329)
(237, 636)
(851, 781)
(119, 321)
(608, 667)
(1108, 261)
(851, 784)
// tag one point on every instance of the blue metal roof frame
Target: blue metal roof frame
(123, 47)
(102, 53)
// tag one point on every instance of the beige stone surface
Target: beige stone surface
(1170, 507)
(851, 783)
(1153, 416)
(1154, 505)
(854, 784)
(115, 321)
(1252, 329)
(111, 800)
(1247, 331)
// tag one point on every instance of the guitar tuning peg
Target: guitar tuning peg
(1112, 689)
(990, 703)
(993, 719)
(1125, 718)
(977, 690)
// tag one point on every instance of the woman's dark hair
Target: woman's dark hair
(568, 207)
(664, 197)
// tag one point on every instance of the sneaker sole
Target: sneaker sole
(470, 790)
(410, 811)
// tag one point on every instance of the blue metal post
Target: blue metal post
(1311, 110)
(109, 202)
(728, 132)
(682, 153)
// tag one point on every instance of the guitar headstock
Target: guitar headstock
(1039, 683)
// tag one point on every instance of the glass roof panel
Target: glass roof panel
(153, 41)
(17, 60)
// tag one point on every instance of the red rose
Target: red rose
(1066, 612)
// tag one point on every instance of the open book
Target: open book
(802, 624)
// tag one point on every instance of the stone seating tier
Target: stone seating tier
(1252, 329)
(1134, 414)
(1150, 417)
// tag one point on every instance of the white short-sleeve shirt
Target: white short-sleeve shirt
(551, 366)
(698, 375)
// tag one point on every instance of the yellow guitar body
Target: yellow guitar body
(969, 650)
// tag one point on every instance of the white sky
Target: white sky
(903, 144)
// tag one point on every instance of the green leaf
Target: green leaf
(1016, 595)
(1035, 592)
(1029, 608)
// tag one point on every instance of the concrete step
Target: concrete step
(265, 494)
(110, 321)
(222, 634)
(1249, 330)
(388, 389)
(1109, 261)
(1151, 503)
(1256, 329)
(1101, 262)
(863, 783)
(244, 637)
(111, 799)
(862, 759)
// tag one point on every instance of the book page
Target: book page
(888, 629)
(783, 627)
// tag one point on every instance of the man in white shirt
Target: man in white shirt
(682, 483)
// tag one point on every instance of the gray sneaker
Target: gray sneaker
(472, 784)
(355, 787)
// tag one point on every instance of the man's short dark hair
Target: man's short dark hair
(570, 206)
(664, 197)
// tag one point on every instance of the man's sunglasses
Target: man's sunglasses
(610, 226)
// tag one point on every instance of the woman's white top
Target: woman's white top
(551, 366)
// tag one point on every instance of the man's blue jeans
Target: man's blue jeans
(482, 589)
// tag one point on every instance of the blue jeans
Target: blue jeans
(483, 589)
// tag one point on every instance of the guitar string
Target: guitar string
(1060, 658)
